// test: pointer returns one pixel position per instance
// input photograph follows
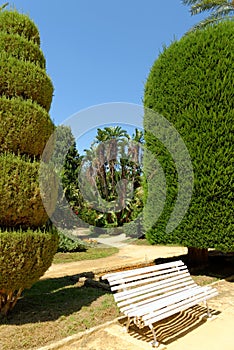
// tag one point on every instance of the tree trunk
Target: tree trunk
(197, 257)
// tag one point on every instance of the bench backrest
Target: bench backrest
(134, 286)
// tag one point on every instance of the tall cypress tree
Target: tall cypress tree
(191, 84)
(26, 247)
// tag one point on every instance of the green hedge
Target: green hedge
(25, 127)
(12, 22)
(27, 255)
(24, 258)
(191, 84)
(20, 199)
(19, 47)
(70, 244)
(25, 79)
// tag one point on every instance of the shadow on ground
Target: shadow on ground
(174, 327)
(220, 265)
(49, 299)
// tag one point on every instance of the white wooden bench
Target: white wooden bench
(149, 294)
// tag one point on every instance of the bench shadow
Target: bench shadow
(220, 265)
(174, 327)
(49, 299)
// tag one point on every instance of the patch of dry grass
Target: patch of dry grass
(52, 310)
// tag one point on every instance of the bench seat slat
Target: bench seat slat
(153, 296)
(173, 309)
(148, 279)
(151, 286)
(160, 289)
(167, 300)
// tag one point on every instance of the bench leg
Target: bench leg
(155, 342)
(128, 323)
(209, 315)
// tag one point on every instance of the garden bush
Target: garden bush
(20, 198)
(25, 127)
(25, 79)
(13, 22)
(191, 84)
(22, 49)
(24, 258)
(70, 244)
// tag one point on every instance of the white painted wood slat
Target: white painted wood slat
(152, 293)
(112, 276)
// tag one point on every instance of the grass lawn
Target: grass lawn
(90, 254)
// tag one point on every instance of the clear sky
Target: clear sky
(100, 51)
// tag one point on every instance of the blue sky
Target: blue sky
(101, 51)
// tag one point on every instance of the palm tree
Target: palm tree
(109, 140)
(135, 156)
(219, 10)
(4, 5)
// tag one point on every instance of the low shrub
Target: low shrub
(25, 127)
(68, 243)
(24, 258)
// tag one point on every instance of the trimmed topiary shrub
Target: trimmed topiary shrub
(20, 48)
(191, 84)
(27, 245)
(20, 198)
(24, 126)
(13, 22)
(25, 79)
(24, 258)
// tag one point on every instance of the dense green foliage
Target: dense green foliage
(24, 258)
(12, 22)
(111, 178)
(19, 47)
(20, 198)
(191, 84)
(62, 154)
(25, 79)
(108, 176)
(70, 244)
(24, 126)
(26, 248)
(27, 254)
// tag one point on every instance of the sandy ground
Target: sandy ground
(189, 330)
(127, 255)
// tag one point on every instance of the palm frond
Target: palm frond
(213, 19)
(220, 10)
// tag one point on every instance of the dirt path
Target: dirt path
(127, 255)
